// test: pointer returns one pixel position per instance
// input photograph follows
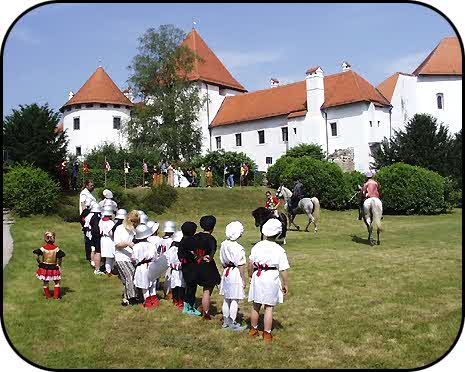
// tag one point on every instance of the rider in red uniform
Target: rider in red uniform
(272, 203)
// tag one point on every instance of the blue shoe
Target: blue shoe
(186, 308)
(193, 311)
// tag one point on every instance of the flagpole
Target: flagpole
(105, 171)
(124, 170)
(143, 173)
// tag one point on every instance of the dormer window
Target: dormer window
(440, 101)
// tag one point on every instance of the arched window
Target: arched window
(440, 101)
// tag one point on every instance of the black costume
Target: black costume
(95, 231)
(297, 194)
(87, 241)
(207, 274)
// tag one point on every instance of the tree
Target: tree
(166, 121)
(29, 135)
(423, 143)
(313, 150)
(455, 159)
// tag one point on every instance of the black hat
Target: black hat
(188, 228)
(208, 222)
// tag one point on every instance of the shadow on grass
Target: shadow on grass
(65, 290)
(359, 240)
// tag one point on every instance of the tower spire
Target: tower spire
(194, 23)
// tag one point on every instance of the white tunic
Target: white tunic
(176, 278)
(87, 226)
(265, 287)
(106, 241)
(165, 244)
(231, 252)
(143, 251)
(121, 234)
(110, 202)
(156, 241)
(83, 196)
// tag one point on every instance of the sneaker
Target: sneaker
(226, 322)
(125, 303)
(236, 327)
(98, 272)
(253, 332)
(186, 308)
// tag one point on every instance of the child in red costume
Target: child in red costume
(49, 258)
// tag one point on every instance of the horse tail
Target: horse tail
(316, 208)
(377, 212)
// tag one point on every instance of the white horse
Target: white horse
(309, 206)
(372, 214)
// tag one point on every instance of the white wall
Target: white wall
(451, 88)
(404, 101)
(273, 147)
(96, 127)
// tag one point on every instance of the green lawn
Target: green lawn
(397, 305)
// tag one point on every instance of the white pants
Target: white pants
(230, 308)
(109, 262)
(150, 291)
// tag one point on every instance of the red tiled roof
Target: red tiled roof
(340, 89)
(210, 69)
(312, 70)
(59, 128)
(297, 114)
(99, 88)
(387, 86)
(445, 59)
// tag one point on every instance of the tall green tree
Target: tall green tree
(166, 121)
(29, 136)
(424, 142)
(455, 159)
(312, 149)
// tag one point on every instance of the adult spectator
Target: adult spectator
(74, 175)
(86, 197)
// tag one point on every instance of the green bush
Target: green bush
(28, 190)
(115, 177)
(159, 199)
(313, 150)
(452, 194)
(353, 180)
(407, 189)
(322, 179)
(274, 172)
(69, 213)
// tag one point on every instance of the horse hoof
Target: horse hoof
(378, 243)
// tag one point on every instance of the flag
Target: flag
(85, 167)
(144, 167)
(107, 166)
(126, 167)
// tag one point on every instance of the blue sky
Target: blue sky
(55, 48)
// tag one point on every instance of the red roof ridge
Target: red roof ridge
(444, 59)
(312, 69)
(278, 87)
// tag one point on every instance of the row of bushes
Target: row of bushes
(405, 189)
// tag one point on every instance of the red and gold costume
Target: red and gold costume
(48, 268)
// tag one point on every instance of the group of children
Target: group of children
(131, 246)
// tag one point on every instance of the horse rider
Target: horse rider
(370, 189)
(297, 194)
(272, 203)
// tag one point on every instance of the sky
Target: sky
(55, 48)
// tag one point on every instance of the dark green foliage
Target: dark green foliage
(122, 198)
(69, 213)
(274, 172)
(353, 180)
(28, 190)
(407, 189)
(167, 122)
(312, 150)
(159, 199)
(116, 176)
(452, 195)
(454, 162)
(218, 159)
(29, 136)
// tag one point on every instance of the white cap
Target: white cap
(369, 174)
(169, 227)
(107, 194)
(121, 214)
(234, 230)
(143, 231)
(177, 236)
(140, 212)
(107, 210)
(143, 219)
(272, 227)
(154, 225)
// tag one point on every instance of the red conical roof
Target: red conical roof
(99, 88)
(211, 69)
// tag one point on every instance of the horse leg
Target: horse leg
(310, 220)
(291, 222)
(378, 242)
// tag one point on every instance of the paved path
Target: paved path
(7, 239)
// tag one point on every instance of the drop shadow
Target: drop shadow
(65, 290)
(359, 240)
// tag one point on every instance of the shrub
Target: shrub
(312, 150)
(69, 213)
(159, 198)
(452, 194)
(274, 172)
(353, 180)
(407, 189)
(28, 190)
(322, 179)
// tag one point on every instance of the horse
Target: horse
(262, 214)
(309, 206)
(372, 214)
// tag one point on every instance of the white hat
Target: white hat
(272, 227)
(107, 210)
(121, 214)
(369, 174)
(234, 230)
(169, 227)
(95, 208)
(154, 225)
(143, 219)
(140, 212)
(177, 236)
(107, 194)
(108, 202)
(143, 231)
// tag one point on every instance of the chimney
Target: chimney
(70, 95)
(128, 93)
(345, 66)
(315, 90)
(274, 82)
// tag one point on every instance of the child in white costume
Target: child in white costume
(143, 253)
(177, 283)
(106, 238)
(169, 227)
(232, 256)
(267, 260)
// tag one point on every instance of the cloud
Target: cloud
(235, 59)
(406, 63)
(26, 36)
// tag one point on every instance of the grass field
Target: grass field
(397, 305)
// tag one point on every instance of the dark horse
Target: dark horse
(262, 214)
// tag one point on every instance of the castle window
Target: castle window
(285, 134)
(333, 129)
(78, 150)
(76, 123)
(238, 139)
(103, 105)
(218, 142)
(128, 108)
(371, 124)
(379, 123)
(116, 123)
(440, 101)
(269, 160)
(261, 136)
(68, 108)
(116, 106)
(77, 107)
(88, 105)
(295, 130)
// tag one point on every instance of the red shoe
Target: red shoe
(148, 302)
(154, 300)
(56, 293)
(47, 292)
